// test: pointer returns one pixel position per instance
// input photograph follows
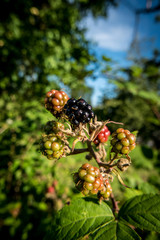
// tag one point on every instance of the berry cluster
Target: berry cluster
(52, 146)
(55, 101)
(53, 127)
(102, 137)
(123, 141)
(78, 111)
(89, 181)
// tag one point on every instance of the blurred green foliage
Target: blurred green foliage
(42, 47)
(137, 101)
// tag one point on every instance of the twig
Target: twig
(115, 204)
(99, 162)
(80, 150)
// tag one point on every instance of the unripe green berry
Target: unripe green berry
(48, 144)
(106, 194)
(82, 173)
(89, 178)
(103, 190)
(49, 152)
(91, 172)
(125, 150)
(118, 146)
(125, 142)
(87, 185)
(121, 135)
(52, 138)
(55, 146)
(57, 154)
(109, 188)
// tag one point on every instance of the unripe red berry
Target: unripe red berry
(97, 183)
(102, 137)
(86, 166)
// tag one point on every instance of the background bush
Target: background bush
(43, 47)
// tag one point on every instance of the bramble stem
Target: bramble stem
(115, 204)
(99, 162)
(79, 150)
(94, 155)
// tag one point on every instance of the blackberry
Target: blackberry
(123, 141)
(55, 101)
(78, 111)
(53, 127)
(89, 181)
(51, 146)
(102, 137)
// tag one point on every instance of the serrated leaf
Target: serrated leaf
(116, 231)
(81, 217)
(142, 211)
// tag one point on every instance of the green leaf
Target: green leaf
(130, 193)
(114, 230)
(81, 217)
(142, 211)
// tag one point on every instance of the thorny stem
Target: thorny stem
(94, 155)
(115, 204)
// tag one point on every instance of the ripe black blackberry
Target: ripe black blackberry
(78, 111)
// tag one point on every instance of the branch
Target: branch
(115, 204)
(77, 151)
(99, 162)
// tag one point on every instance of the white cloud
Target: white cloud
(113, 33)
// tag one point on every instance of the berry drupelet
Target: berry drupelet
(123, 141)
(55, 101)
(78, 111)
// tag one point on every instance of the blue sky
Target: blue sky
(112, 37)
